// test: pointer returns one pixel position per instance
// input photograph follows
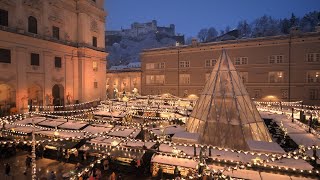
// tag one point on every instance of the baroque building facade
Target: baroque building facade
(279, 68)
(52, 52)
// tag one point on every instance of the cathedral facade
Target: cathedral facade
(52, 52)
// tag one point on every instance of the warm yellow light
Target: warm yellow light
(56, 133)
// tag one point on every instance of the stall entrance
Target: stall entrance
(58, 95)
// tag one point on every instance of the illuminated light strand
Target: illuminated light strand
(68, 105)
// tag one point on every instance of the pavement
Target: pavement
(44, 167)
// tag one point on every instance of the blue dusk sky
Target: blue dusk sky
(190, 16)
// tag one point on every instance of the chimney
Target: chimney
(295, 30)
(317, 28)
(194, 42)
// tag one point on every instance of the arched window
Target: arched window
(32, 25)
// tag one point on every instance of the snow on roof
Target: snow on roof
(123, 132)
(174, 161)
(96, 129)
(120, 67)
(129, 66)
(75, 125)
(134, 65)
(185, 136)
(29, 120)
(60, 134)
(105, 141)
(24, 129)
(51, 123)
(168, 130)
(263, 146)
(139, 144)
(113, 113)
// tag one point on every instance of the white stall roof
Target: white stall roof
(262, 146)
(51, 123)
(29, 120)
(75, 125)
(122, 132)
(168, 130)
(107, 113)
(61, 134)
(139, 144)
(96, 129)
(174, 161)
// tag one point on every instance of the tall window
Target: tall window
(57, 62)
(241, 60)
(313, 57)
(276, 59)
(94, 66)
(210, 62)
(314, 94)
(3, 17)
(162, 65)
(55, 32)
(32, 25)
(244, 76)
(184, 78)
(284, 93)
(313, 76)
(5, 56)
(276, 77)
(184, 64)
(35, 59)
(95, 84)
(150, 66)
(94, 41)
(155, 79)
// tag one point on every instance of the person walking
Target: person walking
(7, 169)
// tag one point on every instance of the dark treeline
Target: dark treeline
(265, 26)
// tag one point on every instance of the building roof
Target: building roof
(236, 41)
(133, 66)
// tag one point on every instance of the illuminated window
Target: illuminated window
(276, 77)
(35, 59)
(184, 78)
(241, 60)
(244, 76)
(210, 62)
(5, 56)
(3, 17)
(57, 62)
(94, 66)
(313, 76)
(184, 64)
(32, 25)
(162, 65)
(150, 66)
(276, 59)
(313, 57)
(155, 79)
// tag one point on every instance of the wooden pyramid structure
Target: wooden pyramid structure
(224, 114)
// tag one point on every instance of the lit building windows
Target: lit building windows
(313, 57)
(210, 62)
(184, 78)
(32, 25)
(241, 60)
(3, 17)
(276, 59)
(35, 59)
(150, 66)
(155, 79)
(57, 62)
(313, 76)
(94, 66)
(276, 77)
(5, 56)
(162, 65)
(184, 64)
(244, 76)
(314, 94)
